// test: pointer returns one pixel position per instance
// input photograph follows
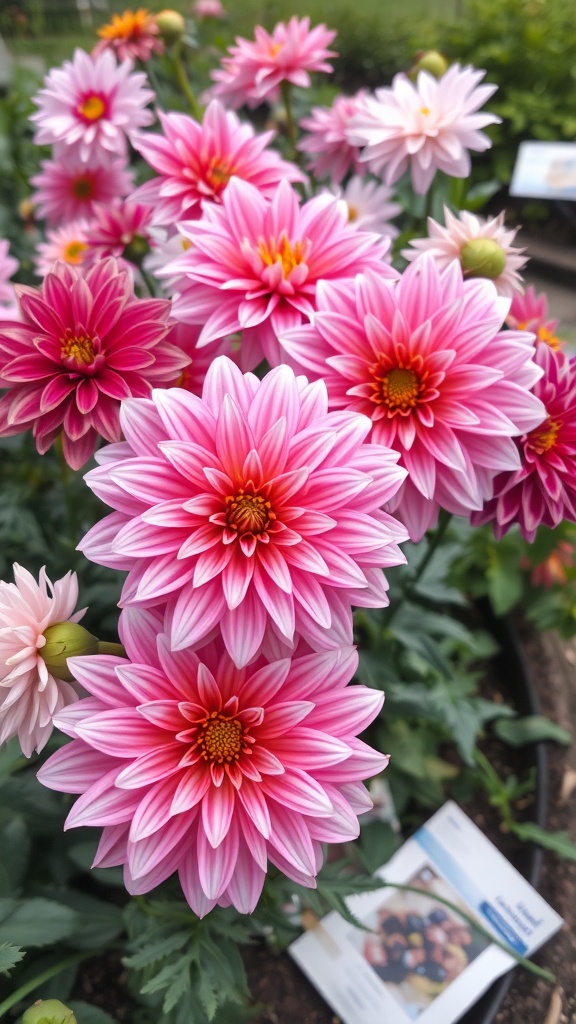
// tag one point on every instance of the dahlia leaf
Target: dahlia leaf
(158, 950)
(9, 956)
(85, 1013)
(36, 922)
(531, 729)
(559, 842)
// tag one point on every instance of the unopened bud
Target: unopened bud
(432, 61)
(49, 1011)
(66, 640)
(136, 249)
(171, 25)
(26, 209)
(483, 257)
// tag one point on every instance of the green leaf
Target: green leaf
(36, 922)
(157, 950)
(87, 1014)
(378, 842)
(559, 842)
(15, 847)
(99, 922)
(504, 579)
(9, 956)
(532, 729)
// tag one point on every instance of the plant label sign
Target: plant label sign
(433, 939)
(545, 170)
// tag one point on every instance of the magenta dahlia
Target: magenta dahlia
(425, 358)
(246, 508)
(119, 229)
(85, 342)
(67, 189)
(195, 162)
(330, 154)
(254, 265)
(542, 491)
(529, 312)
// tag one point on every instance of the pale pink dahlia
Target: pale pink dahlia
(67, 244)
(529, 312)
(256, 68)
(208, 9)
(8, 267)
(482, 247)
(330, 154)
(254, 265)
(29, 695)
(542, 491)
(67, 189)
(370, 206)
(426, 126)
(195, 766)
(90, 105)
(120, 230)
(196, 161)
(84, 344)
(425, 358)
(246, 508)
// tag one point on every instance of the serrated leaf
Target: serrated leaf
(87, 1014)
(166, 975)
(99, 922)
(10, 956)
(559, 842)
(177, 989)
(36, 922)
(531, 729)
(207, 994)
(157, 950)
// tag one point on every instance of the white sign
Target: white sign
(545, 170)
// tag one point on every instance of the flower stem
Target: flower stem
(434, 542)
(291, 128)
(109, 648)
(182, 77)
(65, 479)
(50, 972)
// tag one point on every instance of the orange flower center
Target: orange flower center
(74, 252)
(92, 108)
(352, 213)
(399, 389)
(288, 254)
(248, 513)
(544, 437)
(78, 347)
(220, 739)
(129, 25)
(425, 110)
(218, 174)
(546, 335)
(83, 187)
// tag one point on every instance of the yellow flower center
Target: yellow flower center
(545, 436)
(425, 111)
(399, 389)
(92, 108)
(78, 347)
(220, 739)
(288, 254)
(352, 213)
(546, 335)
(248, 513)
(73, 253)
(218, 174)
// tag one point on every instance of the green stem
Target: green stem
(108, 648)
(528, 965)
(50, 972)
(291, 127)
(65, 478)
(433, 544)
(182, 77)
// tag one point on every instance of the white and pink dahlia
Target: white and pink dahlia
(542, 491)
(68, 189)
(120, 230)
(195, 162)
(84, 343)
(195, 766)
(482, 247)
(426, 360)
(247, 509)
(256, 68)
(30, 695)
(90, 105)
(371, 206)
(253, 265)
(529, 312)
(66, 244)
(426, 126)
(330, 153)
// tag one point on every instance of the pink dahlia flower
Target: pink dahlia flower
(443, 385)
(427, 126)
(8, 267)
(370, 206)
(195, 766)
(29, 695)
(254, 265)
(330, 154)
(119, 230)
(542, 491)
(90, 105)
(256, 68)
(85, 343)
(208, 9)
(246, 508)
(66, 244)
(185, 337)
(196, 161)
(529, 312)
(130, 34)
(68, 189)
(482, 247)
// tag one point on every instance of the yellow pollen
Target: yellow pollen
(352, 213)
(545, 436)
(274, 49)
(92, 108)
(73, 253)
(248, 513)
(546, 335)
(398, 389)
(287, 254)
(425, 110)
(220, 739)
(186, 243)
(218, 174)
(77, 347)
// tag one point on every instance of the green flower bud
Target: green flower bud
(49, 1011)
(432, 61)
(483, 257)
(136, 249)
(66, 640)
(171, 25)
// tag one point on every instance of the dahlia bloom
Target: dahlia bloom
(330, 154)
(208, 9)
(185, 337)
(542, 491)
(256, 68)
(425, 359)
(482, 247)
(73, 358)
(89, 105)
(195, 766)
(246, 508)
(370, 206)
(8, 267)
(29, 695)
(427, 126)
(66, 244)
(254, 265)
(130, 34)
(529, 312)
(196, 161)
(119, 230)
(68, 189)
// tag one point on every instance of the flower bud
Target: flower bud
(66, 640)
(171, 25)
(483, 257)
(432, 61)
(49, 1011)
